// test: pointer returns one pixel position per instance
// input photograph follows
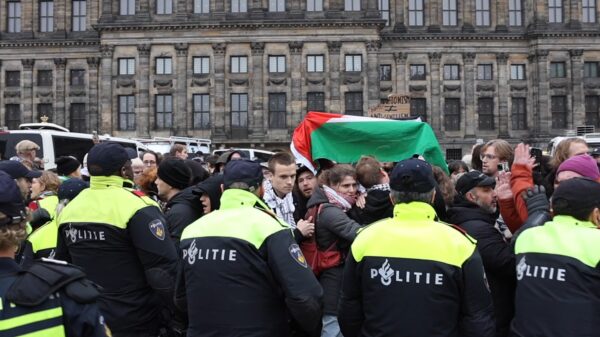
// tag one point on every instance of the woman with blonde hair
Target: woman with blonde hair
(44, 192)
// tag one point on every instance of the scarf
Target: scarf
(339, 200)
(381, 187)
(283, 207)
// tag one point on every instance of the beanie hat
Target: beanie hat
(66, 165)
(582, 164)
(175, 173)
(70, 188)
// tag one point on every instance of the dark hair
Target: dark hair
(157, 157)
(337, 173)
(281, 158)
(445, 184)
(368, 171)
(456, 165)
(408, 197)
(476, 163)
(563, 207)
(177, 148)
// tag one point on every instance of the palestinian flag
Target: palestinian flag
(345, 138)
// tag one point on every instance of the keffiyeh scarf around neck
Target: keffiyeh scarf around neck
(283, 207)
(339, 200)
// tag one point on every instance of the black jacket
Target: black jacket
(332, 225)
(183, 209)
(378, 206)
(497, 255)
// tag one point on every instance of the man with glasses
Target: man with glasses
(495, 153)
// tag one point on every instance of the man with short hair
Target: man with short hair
(306, 184)
(21, 174)
(178, 151)
(475, 211)
(411, 275)
(374, 178)
(244, 265)
(26, 150)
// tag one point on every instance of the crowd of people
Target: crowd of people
(502, 244)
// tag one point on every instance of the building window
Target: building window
(14, 17)
(127, 112)
(239, 110)
(276, 5)
(202, 65)
(314, 63)
(452, 114)
(239, 6)
(485, 72)
(590, 69)
(482, 12)
(418, 108)
(517, 71)
(276, 64)
(515, 12)
(385, 72)
(77, 118)
(451, 72)
(519, 113)
(44, 78)
(555, 11)
(589, 11)
(384, 9)
(315, 101)
(201, 111)
(353, 62)
(13, 78)
(591, 111)
(239, 64)
(201, 6)
(352, 5)
(77, 77)
(46, 16)
(557, 70)
(277, 111)
(12, 119)
(417, 72)
(44, 110)
(485, 110)
(164, 7)
(314, 5)
(449, 12)
(454, 154)
(415, 13)
(559, 112)
(164, 111)
(79, 15)
(354, 103)
(126, 66)
(127, 7)
(164, 66)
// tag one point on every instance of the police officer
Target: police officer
(50, 298)
(244, 274)
(410, 275)
(558, 280)
(119, 237)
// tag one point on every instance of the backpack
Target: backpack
(319, 260)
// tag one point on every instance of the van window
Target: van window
(71, 146)
(262, 157)
(10, 140)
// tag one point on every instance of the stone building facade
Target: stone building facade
(244, 72)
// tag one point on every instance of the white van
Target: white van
(253, 154)
(54, 144)
(163, 144)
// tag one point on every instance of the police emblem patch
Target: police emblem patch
(296, 253)
(158, 229)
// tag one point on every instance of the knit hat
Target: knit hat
(582, 164)
(70, 188)
(66, 165)
(198, 172)
(175, 173)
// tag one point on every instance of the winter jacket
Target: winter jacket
(497, 255)
(332, 225)
(378, 206)
(180, 211)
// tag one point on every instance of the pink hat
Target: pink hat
(583, 164)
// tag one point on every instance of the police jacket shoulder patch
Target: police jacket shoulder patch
(43, 278)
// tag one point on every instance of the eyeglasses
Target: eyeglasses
(487, 156)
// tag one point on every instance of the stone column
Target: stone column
(255, 7)
(372, 79)
(334, 75)
(182, 9)
(296, 75)
(60, 117)
(258, 116)
(436, 107)
(401, 82)
(503, 94)
(143, 113)
(435, 12)
(93, 97)
(106, 96)
(61, 15)
(218, 91)
(219, 12)
(575, 13)
(400, 25)
(502, 15)
(27, 93)
(107, 10)
(372, 11)
(468, 15)
(294, 7)
(542, 114)
(471, 118)
(577, 92)
(182, 118)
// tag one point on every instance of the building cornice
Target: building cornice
(461, 36)
(48, 43)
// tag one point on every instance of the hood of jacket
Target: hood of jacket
(464, 211)
(318, 197)
(186, 197)
(212, 187)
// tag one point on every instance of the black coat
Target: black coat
(497, 255)
(183, 209)
(378, 206)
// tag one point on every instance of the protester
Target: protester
(178, 151)
(44, 198)
(306, 183)
(21, 174)
(495, 153)
(582, 165)
(209, 191)
(151, 159)
(198, 172)
(371, 175)
(457, 168)
(137, 165)
(278, 189)
(564, 150)
(146, 183)
(411, 275)
(68, 167)
(26, 150)
(476, 163)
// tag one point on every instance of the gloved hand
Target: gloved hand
(536, 200)
(39, 217)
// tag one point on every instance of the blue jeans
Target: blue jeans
(331, 328)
